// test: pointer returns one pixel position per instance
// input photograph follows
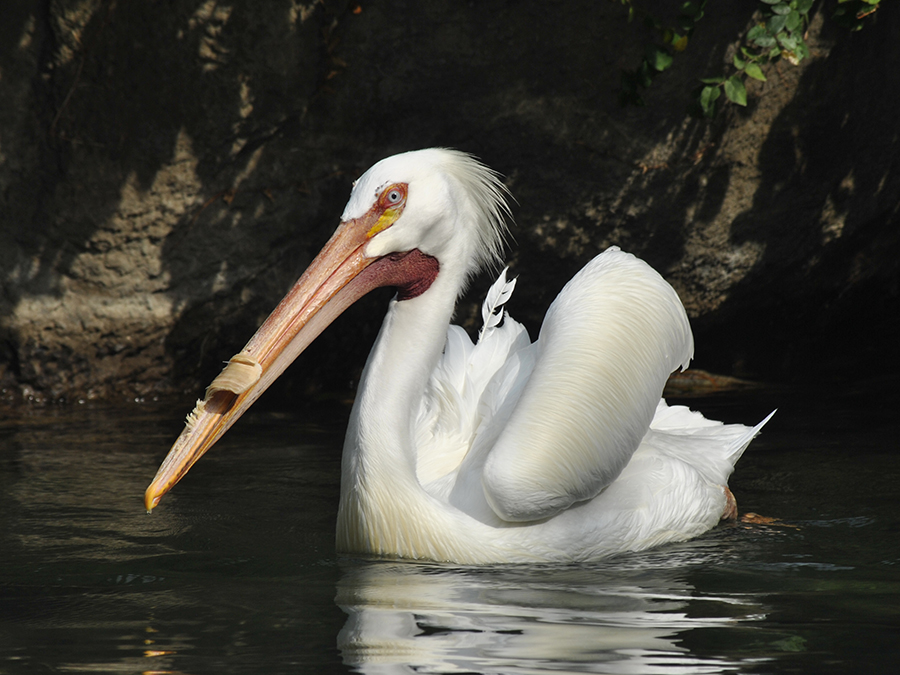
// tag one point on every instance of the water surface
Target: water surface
(235, 572)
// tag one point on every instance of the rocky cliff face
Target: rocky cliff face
(168, 169)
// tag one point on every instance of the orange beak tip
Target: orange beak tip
(150, 501)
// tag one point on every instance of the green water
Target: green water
(235, 572)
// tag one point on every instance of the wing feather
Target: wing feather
(470, 386)
(607, 345)
(492, 311)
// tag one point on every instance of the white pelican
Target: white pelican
(502, 451)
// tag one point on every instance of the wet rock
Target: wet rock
(166, 174)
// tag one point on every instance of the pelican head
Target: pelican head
(411, 218)
(443, 203)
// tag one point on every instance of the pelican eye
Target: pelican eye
(388, 208)
(393, 196)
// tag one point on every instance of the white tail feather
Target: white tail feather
(492, 311)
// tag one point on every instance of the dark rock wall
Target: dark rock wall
(168, 168)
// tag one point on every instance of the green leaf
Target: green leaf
(776, 23)
(787, 41)
(803, 6)
(764, 41)
(708, 96)
(793, 20)
(735, 90)
(739, 63)
(712, 80)
(755, 72)
(781, 8)
(659, 59)
(758, 31)
(644, 75)
(771, 2)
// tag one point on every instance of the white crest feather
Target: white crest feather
(489, 196)
(492, 311)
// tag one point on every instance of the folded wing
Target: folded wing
(607, 345)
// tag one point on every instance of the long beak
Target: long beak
(338, 276)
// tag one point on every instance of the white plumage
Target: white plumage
(504, 450)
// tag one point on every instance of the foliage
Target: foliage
(658, 58)
(779, 34)
(850, 13)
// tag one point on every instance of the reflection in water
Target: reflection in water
(238, 572)
(627, 615)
